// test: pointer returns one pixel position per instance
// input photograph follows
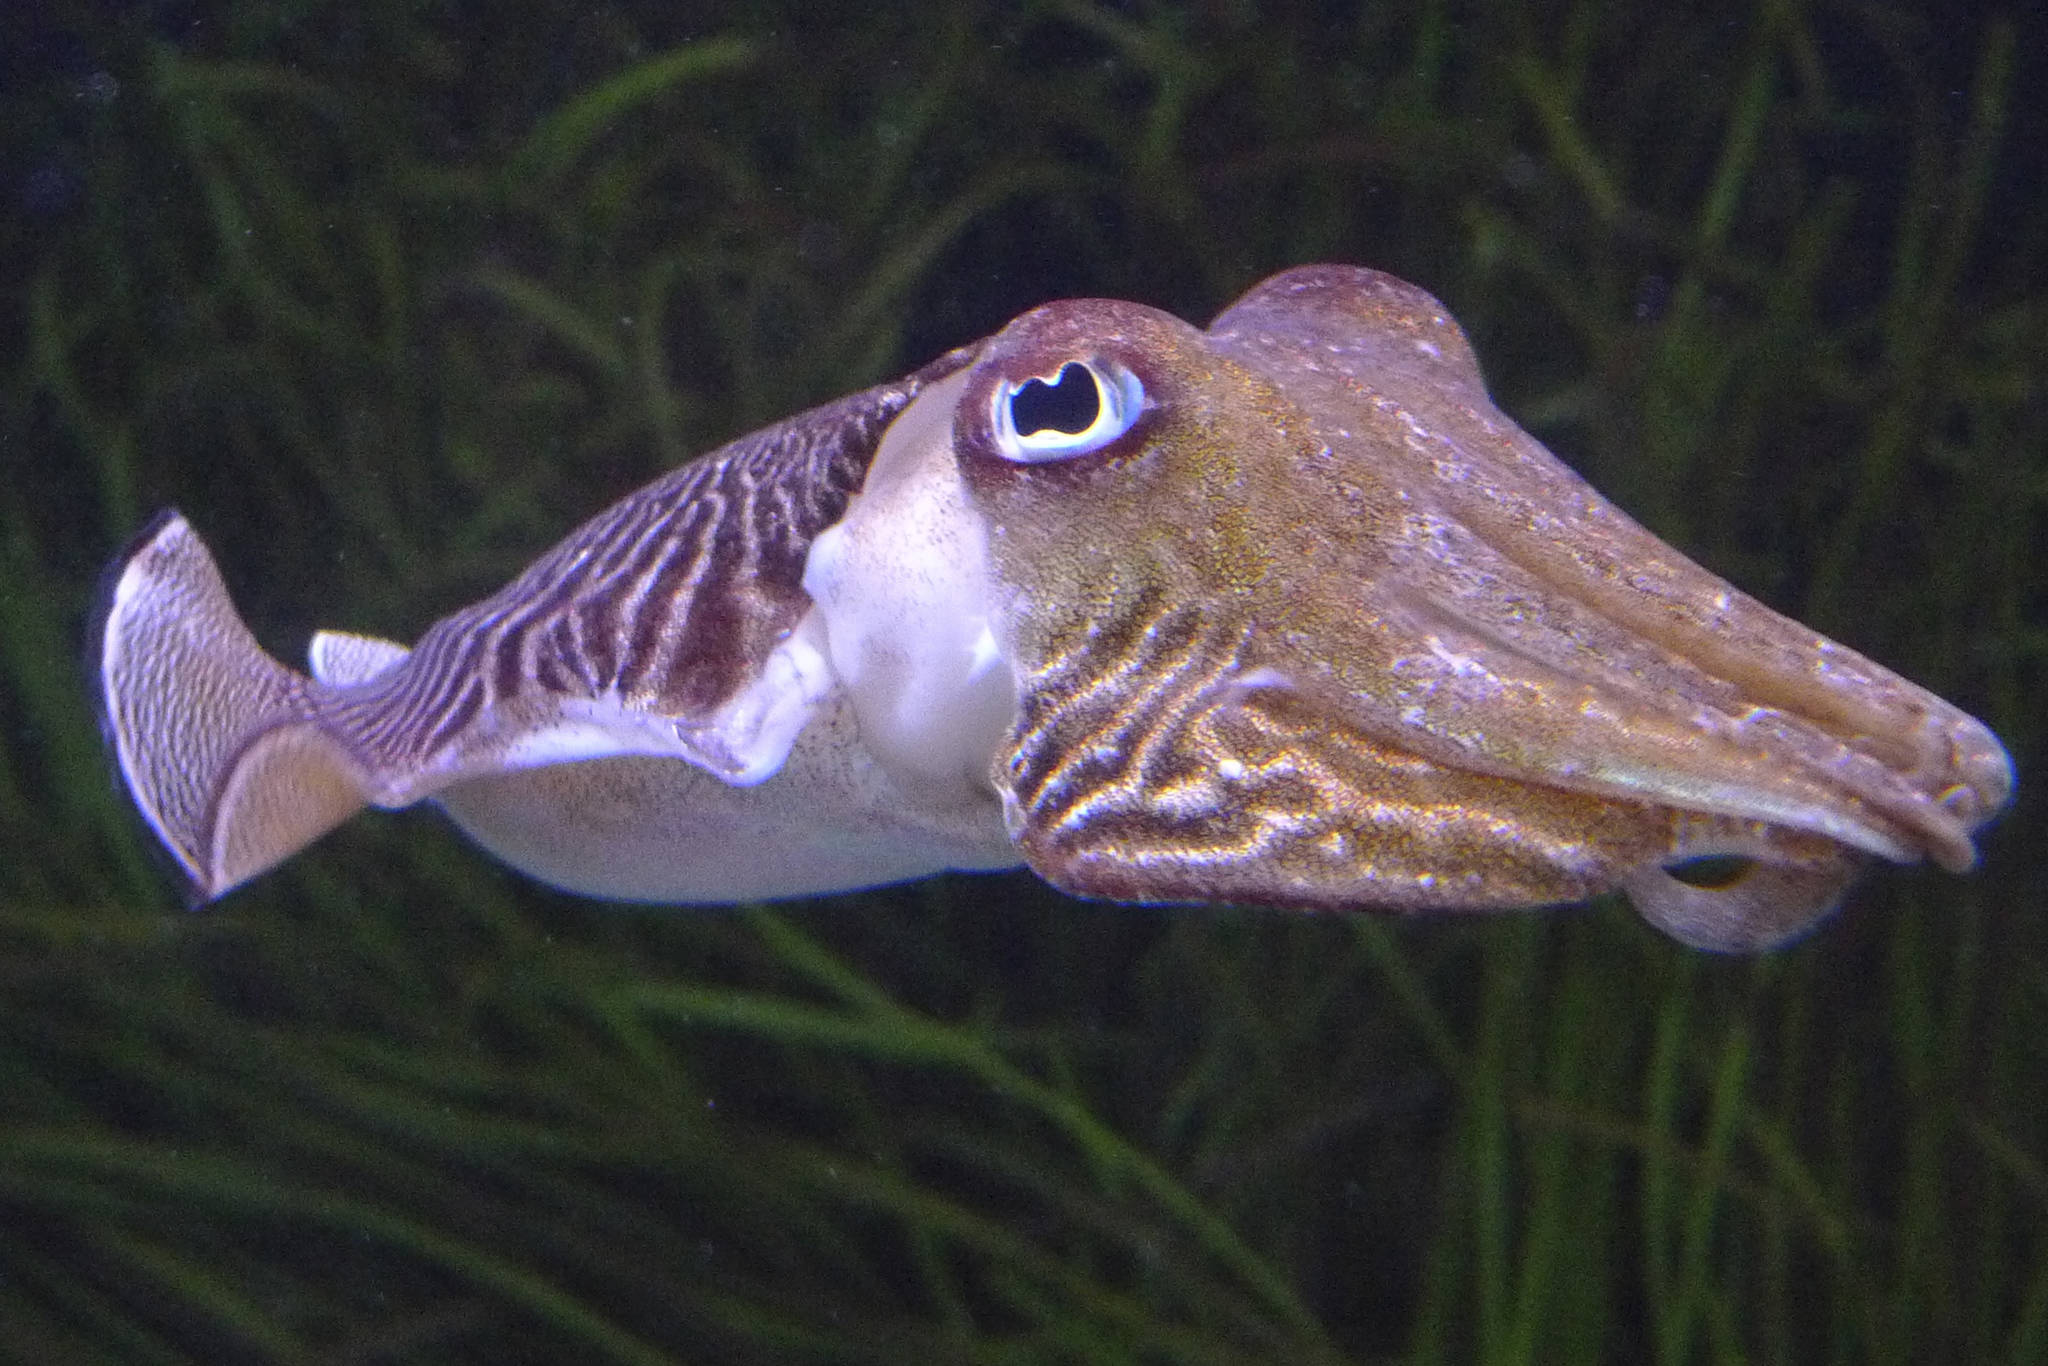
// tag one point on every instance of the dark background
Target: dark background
(386, 296)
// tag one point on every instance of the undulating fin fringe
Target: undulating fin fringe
(214, 738)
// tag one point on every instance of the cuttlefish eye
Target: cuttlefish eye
(1081, 407)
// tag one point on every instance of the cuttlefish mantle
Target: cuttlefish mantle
(1284, 612)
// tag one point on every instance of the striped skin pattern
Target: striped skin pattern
(1164, 775)
(665, 603)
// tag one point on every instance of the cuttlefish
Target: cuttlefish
(1284, 612)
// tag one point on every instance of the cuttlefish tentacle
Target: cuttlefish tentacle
(1283, 612)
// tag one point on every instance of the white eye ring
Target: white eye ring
(1118, 397)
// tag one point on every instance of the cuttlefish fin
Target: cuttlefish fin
(216, 739)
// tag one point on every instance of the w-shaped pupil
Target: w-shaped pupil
(1069, 404)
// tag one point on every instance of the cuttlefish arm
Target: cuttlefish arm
(1284, 612)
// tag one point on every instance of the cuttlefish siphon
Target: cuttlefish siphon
(1284, 612)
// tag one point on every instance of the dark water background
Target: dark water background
(388, 295)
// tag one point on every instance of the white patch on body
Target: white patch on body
(907, 597)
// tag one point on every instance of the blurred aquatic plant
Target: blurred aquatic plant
(388, 295)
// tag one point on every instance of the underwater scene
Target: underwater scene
(1364, 684)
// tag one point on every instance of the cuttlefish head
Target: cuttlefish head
(1297, 617)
